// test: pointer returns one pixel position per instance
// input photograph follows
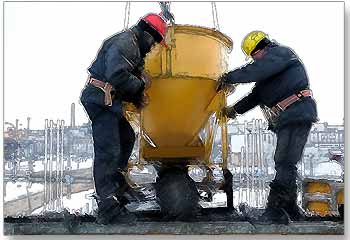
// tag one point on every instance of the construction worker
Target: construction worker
(117, 75)
(282, 90)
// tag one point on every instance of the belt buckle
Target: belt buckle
(89, 80)
(276, 109)
(105, 86)
(300, 95)
(279, 108)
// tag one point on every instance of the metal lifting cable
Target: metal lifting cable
(165, 7)
(127, 15)
(215, 16)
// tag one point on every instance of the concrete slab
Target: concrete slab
(173, 228)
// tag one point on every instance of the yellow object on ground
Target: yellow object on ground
(318, 187)
(322, 196)
(340, 197)
(321, 208)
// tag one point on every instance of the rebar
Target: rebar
(87, 208)
(45, 163)
(252, 165)
(28, 198)
(241, 162)
(246, 136)
(250, 168)
(56, 192)
(62, 163)
(69, 167)
(263, 165)
(260, 164)
(51, 166)
(255, 158)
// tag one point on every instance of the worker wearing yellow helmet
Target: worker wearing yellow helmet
(251, 41)
(283, 92)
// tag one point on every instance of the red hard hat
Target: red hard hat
(157, 22)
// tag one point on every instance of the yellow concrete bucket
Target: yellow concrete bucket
(183, 91)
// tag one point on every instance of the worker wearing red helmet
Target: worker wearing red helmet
(117, 75)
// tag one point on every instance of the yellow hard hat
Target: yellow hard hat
(251, 40)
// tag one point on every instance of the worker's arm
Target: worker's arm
(247, 103)
(273, 62)
(126, 83)
(118, 73)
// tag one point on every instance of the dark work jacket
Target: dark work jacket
(117, 62)
(277, 75)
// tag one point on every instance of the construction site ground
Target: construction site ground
(211, 222)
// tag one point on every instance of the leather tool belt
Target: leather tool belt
(271, 114)
(106, 87)
(282, 105)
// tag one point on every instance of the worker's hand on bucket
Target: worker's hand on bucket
(221, 83)
(230, 112)
(146, 78)
(141, 101)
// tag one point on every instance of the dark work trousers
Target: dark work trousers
(113, 143)
(291, 140)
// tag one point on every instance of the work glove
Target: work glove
(221, 83)
(146, 78)
(140, 100)
(230, 112)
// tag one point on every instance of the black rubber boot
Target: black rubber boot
(275, 212)
(295, 213)
(286, 198)
(228, 189)
(111, 210)
(230, 212)
(108, 209)
(273, 216)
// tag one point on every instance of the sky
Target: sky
(48, 47)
